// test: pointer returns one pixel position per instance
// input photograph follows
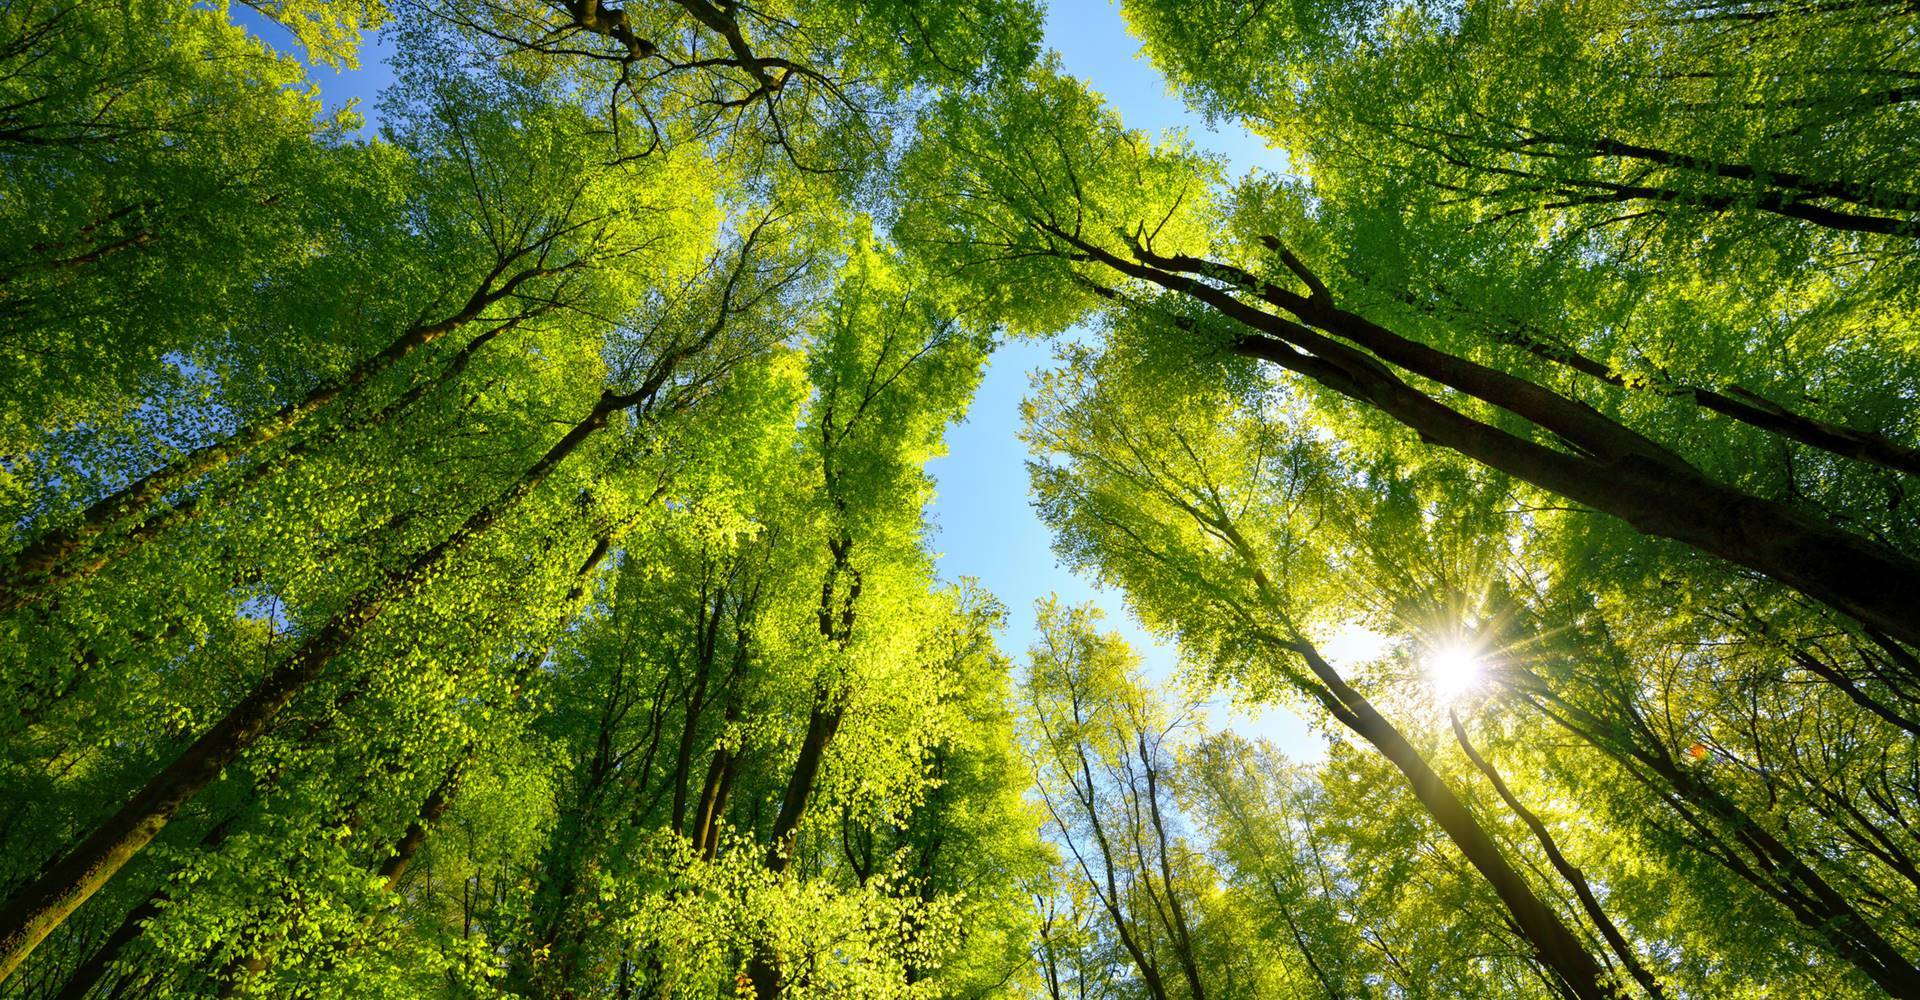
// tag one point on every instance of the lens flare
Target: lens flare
(1454, 670)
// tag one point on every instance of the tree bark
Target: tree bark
(37, 908)
(1735, 403)
(95, 967)
(1573, 875)
(1611, 468)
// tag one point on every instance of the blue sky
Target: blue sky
(985, 527)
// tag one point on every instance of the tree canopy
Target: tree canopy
(490, 554)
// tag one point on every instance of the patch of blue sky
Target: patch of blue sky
(987, 528)
(340, 87)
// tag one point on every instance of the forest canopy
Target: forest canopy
(482, 544)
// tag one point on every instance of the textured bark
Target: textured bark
(95, 967)
(1573, 875)
(1609, 467)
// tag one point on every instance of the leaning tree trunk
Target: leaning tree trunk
(1558, 948)
(136, 531)
(1735, 403)
(42, 565)
(1609, 467)
(1568, 871)
(39, 907)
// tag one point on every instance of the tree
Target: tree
(490, 555)
(1242, 538)
(1099, 746)
(293, 536)
(1104, 219)
(1181, 514)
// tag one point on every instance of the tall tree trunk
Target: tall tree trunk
(823, 722)
(1300, 942)
(713, 791)
(431, 809)
(1784, 183)
(136, 531)
(1142, 961)
(1555, 944)
(1557, 947)
(1179, 935)
(95, 967)
(696, 702)
(1611, 468)
(37, 568)
(1573, 875)
(37, 908)
(1735, 403)
(1773, 191)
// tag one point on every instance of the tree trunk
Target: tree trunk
(1735, 403)
(713, 791)
(82, 564)
(696, 702)
(95, 967)
(37, 569)
(822, 724)
(1557, 946)
(1612, 468)
(1178, 935)
(431, 809)
(1573, 875)
(36, 909)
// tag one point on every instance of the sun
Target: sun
(1454, 669)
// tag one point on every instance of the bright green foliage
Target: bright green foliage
(1465, 422)
(329, 30)
(140, 223)
(419, 483)
(804, 84)
(1232, 531)
(1681, 199)
(1101, 746)
(491, 558)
